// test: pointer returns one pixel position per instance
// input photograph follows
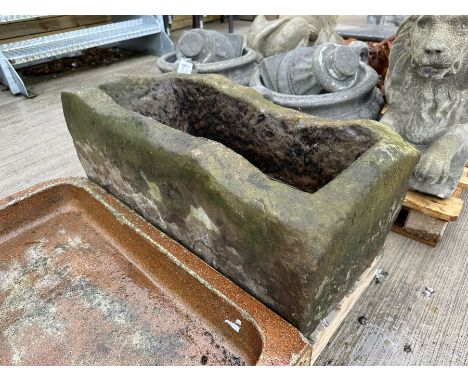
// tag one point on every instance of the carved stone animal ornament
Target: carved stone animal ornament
(212, 52)
(427, 92)
(326, 80)
(271, 37)
(205, 46)
(325, 68)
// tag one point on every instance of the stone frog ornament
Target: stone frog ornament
(427, 92)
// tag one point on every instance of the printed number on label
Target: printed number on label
(184, 67)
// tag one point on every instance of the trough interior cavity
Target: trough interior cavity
(306, 157)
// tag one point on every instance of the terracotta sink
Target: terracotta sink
(86, 281)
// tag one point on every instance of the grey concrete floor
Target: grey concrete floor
(35, 146)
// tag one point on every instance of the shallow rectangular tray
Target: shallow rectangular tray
(85, 280)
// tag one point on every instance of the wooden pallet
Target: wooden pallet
(425, 218)
(328, 326)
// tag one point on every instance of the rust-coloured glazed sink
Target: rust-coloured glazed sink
(85, 280)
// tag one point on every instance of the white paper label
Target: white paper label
(236, 326)
(185, 67)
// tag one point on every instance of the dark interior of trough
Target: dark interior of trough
(304, 157)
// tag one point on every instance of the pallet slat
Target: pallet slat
(16, 39)
(458, 191)
(464, 179)
(328, 327)
(424, 218)
(181, 21)
(445, 209)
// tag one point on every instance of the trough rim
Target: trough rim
(389, 144)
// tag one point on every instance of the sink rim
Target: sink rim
(282, 344)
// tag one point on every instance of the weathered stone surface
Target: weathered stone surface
(272, 37)
(427, 92)
(315, 69)
(326, 80)
(290, 207)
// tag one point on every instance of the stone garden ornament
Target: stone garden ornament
(205, 46)
(212, 52)
(326, 80)
(427, 92)
(271, 37)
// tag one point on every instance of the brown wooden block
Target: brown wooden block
(457, 193)
(401, 231)
(425, 227)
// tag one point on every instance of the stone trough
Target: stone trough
(290, 207)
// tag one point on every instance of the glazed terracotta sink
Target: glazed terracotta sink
(86, 281)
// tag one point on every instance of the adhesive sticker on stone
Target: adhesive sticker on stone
(184, 67)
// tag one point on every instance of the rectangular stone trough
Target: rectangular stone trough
(290, 207)
(86, 281)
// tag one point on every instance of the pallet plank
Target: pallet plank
(464, 179)
(327, 328)
(457, 193)
(181, 21)
(446, 209)
(424, 218)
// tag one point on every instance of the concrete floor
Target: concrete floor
(35, 146)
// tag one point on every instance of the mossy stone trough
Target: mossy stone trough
(290, 207)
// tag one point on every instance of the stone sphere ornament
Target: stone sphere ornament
(427, 92)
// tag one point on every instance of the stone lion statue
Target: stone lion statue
(427, 92)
